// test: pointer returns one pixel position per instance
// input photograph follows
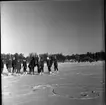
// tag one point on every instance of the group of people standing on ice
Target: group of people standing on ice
(14, 65)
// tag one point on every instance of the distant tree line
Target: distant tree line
(88, 57)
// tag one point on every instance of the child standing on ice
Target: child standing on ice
(32, 65)
(55, 64)
(41, 65)
(14, 62)
(24, 66)
(49, 64)
(18, 66)
(9, 65)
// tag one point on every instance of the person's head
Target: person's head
(47, 58)
(24, 60)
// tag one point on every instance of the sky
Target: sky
(67, 27)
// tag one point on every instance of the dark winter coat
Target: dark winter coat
(14, 63)
(49, 62)
(32, 63)
(55, 62)
(9, 63)
(18, 65)
(36, 60)
(41, 62)
(24, 64)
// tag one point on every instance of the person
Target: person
(41, 65)
(24, 66)
(49, 64)
(55, 64)
(14, 65)
(2, 66)
(9, 65)
(29, 68)
(32, 65)
(37, 63)
(18, 66)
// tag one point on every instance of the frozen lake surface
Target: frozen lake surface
(75, 84)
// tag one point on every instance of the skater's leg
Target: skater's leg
(13, 70)
(25, 70)
(42, 69)
(30, 70)
(54, 68)
(39, 69)
(10, 70)
(17, 71)
(57, 68)
(33, 70)
(49, 69)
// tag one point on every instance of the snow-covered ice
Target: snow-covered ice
(75, 84)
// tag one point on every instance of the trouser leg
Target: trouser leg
(30, 70)
(24, 69)
(16, 70)
(42, 68)
(19, 70)
(13, 70)
(49, 68)
(10, 70)
(33, 70)
(55, 67)
(38, 68)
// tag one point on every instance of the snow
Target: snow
(75, 84)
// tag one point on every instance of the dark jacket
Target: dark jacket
(14, 63)
(41, 62)
(18, 65)
(9, 64)
(36, 60)
(55, 62)
(24, 64)
(49, 62)
(32, 63)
